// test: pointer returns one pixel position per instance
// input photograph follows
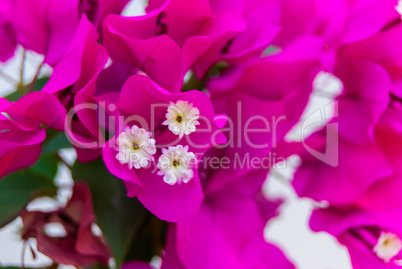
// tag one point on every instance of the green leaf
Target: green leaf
(193, 84)
(40, 83)
(96, 266)
(55, 142)
(18, 189)
(12, 97)
(142, 248)
(271, 50)
(150, 240)
(46, 165)
(118, 216)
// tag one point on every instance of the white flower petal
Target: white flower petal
(188, 115)
(135, 157)
(176, 165)
(388, 246)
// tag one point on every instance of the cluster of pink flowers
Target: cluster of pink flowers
(183, 104)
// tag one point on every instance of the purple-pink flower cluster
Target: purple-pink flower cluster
(188, 104)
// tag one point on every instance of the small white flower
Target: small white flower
(135, 147)
(388, 246)
(181, 118)
(176, 165)
(398, 7)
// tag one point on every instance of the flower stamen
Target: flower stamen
(181, 118)
(135, 147)
(176, 165)
(388, 246)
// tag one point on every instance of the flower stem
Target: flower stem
(32, 85)
(20, 86)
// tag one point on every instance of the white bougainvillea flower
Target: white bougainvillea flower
(176, 165)
(136, 147)
(398, 7)
(388, 246)
(138, 97)
(181, 118)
